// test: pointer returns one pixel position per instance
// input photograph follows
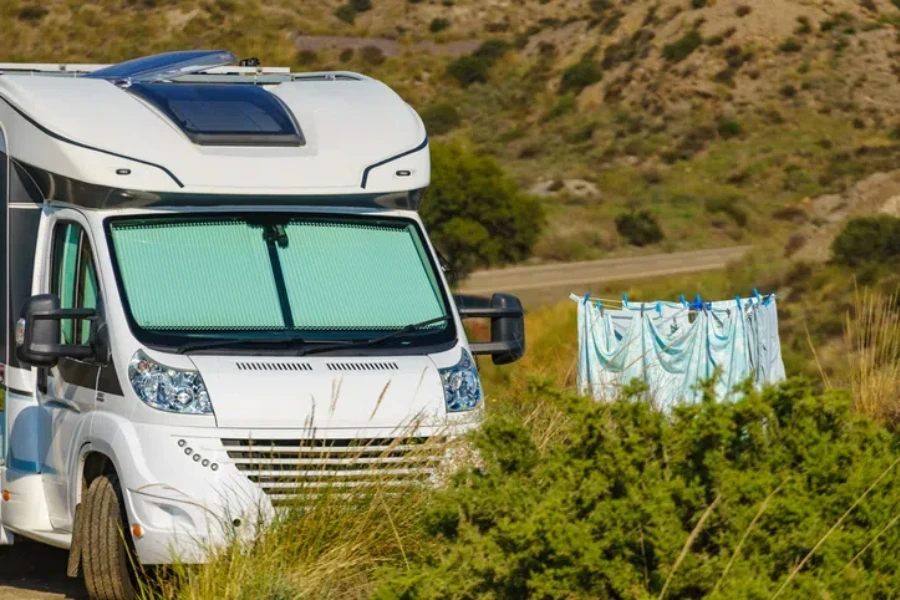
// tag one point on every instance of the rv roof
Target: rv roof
(352, 132)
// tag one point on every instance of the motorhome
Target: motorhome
(217, 284)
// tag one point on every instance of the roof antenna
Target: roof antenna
(249, 62)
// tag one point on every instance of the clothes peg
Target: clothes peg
(756, 295)
(768, 299)
(683, 301)
(587, 298)
(738, 300)
(625, 300)
(659, 308)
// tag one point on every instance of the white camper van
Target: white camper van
(215, 280)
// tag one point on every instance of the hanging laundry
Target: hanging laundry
(673, 346)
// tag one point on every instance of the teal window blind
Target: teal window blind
(315, 274)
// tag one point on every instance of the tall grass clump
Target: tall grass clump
(872, 338)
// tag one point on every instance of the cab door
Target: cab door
(67, 392)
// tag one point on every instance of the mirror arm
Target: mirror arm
(489, 313)
(489, 348)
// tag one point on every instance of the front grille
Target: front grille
(291, 471)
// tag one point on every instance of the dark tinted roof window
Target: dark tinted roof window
(224, 115)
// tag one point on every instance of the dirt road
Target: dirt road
(548, 283)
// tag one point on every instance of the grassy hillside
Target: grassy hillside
(719, 117)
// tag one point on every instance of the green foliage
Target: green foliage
(729, 128)
(695, 4)
(32, 13)
(361, 5)
(438, 24)
(564, 105)
(639, 228)
(868, 241)
(476, 67)
(469, 70)
(601, 6)
(585, 72)
(730, 207)
(372, 56)
(790, 45)
(440, 118)
(346, 13)
(475, 213)
(680, 49)
(605, 508)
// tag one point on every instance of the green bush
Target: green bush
(32, 13)
(372, 55)
(438, 24)
(469, 70)
(346, 13)
(475, 213)
(729, 128)
(491, 51)
(361, 5)
(639, 228)
(698, 4)
(585, 72)
(679, 50)
(601, 6)
(790, 45)
(730, 207)
(716, 500)
(868, 241)
(440, 118)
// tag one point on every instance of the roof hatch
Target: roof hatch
(224, 114)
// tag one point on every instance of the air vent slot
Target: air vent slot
(272, 366)
(362, 366)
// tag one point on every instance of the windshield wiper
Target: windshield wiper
(375, 341)
(210, 344)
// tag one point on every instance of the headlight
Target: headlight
(169, 389)
(462, 389)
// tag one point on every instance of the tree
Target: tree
(476, 214)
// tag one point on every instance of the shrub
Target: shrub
(469, 70)
(476, 213)
(32, 13)
(346, 55)
(639, 228)
(804, 27)
(729, 207)
(491, 51)
(698, 3)
(346, 13)
(440, 118)
(585, 72)
(438, 24)
(600, 6)
(743, 10)
(868, 241)
(361, 5)
(790, 45)
(682, 48)
(718, 500)
(729, 128)
(372, 55)
(788, 90)
(306, 58)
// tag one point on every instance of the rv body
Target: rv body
(212, 282)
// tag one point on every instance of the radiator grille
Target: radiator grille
(289, 471)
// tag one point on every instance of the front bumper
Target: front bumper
(203, 489)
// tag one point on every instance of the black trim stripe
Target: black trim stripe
(61, 138)
(18, 391)
(365, 177)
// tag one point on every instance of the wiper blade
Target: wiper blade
(211, 344)
(375, 341)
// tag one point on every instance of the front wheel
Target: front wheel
(106, 546)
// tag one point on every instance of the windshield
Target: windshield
(258, 276)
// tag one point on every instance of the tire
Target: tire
(106, 553)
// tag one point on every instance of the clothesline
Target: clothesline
(697, 305)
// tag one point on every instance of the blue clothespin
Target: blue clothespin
(709, 306)
(697, 304)
(683, 301)
(625, 300)
(756, 295)
(768, 299)
(659, 308)
(587, 298)
(738, 300)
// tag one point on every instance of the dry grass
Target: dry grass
(872, 338)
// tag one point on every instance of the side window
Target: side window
(73, 278)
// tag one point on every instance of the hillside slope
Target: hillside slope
(720, 117)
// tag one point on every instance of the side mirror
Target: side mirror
(507, 343)
(38, 332)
